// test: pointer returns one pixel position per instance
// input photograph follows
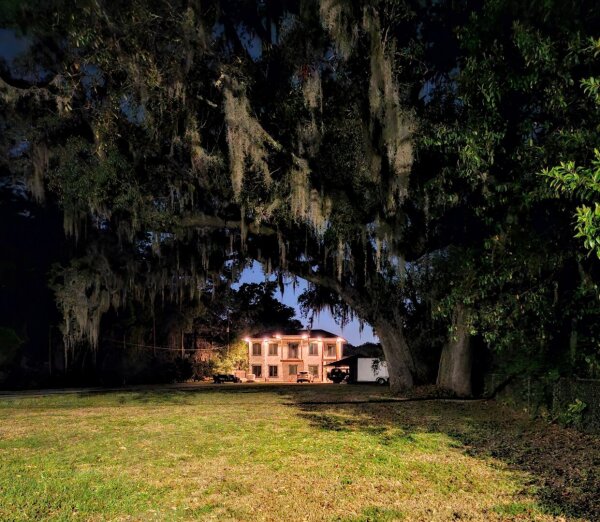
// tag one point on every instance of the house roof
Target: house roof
(294, 333)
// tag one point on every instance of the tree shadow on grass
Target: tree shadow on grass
(563, 464)
(161, 394)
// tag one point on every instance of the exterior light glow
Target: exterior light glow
(277, 336)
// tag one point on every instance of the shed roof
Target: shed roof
(347, 361)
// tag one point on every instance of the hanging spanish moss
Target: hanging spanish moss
(338, 18)
(309, 132)
(40, 158)
(340, 259)
(88, 289)
(311, 89)
(282, 250)
(395, 122)
(386, 109)
(247, 140)
(307, 204)
(198, 156)
(90, 286)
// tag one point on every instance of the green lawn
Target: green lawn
(244, 452)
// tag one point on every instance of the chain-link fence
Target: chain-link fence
(574, 402)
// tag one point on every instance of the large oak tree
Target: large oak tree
(388, 152)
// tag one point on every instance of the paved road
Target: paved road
(142, 387)
(184, 386)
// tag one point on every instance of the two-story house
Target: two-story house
(279, 356)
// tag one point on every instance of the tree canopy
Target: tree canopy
(420, 163)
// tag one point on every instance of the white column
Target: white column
(265, 348)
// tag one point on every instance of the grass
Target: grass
(271, 453)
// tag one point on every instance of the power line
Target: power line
(149, 347)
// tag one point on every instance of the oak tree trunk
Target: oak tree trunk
(454, 372)
(389, 329)
(397, 355)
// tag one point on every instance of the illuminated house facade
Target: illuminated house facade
(278, 357)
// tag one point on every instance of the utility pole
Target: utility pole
(227, 331)
(153, 334)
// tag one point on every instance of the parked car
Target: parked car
(336, 375)
(220, 378)
(305, 377)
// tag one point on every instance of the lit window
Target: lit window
(314, 370)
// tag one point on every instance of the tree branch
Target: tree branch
(201, 220)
